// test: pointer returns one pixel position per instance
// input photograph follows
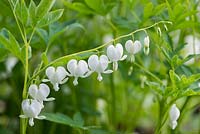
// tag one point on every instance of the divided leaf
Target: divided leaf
(10, 43)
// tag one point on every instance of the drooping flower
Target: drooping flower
(115, 54)
(99, 65)
(146, 45)
(40, 94)
(56, 76)
(133, 48)
(31, 109)
(77, 69)
(174, 114)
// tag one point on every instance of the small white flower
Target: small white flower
(40, 93)
(115, 54)
(174, 114)
(133, 48)
(77, 69)
(31, 109)
(56, 76)
(99, 65)
(146, 45)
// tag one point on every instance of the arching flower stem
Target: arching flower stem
(99, 47)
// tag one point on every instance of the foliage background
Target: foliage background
(85, 25)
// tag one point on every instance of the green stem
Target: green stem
(113, 103)
(160, 117)
(148, 72)
(100, 47)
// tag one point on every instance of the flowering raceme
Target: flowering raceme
(115, 54)
(56, 76)
(99, 65)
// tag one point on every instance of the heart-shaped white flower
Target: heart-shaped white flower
(40, 93)
(115, 54)
(31, 109)
(133, 48)
(77, 69)
(56, 76)
(174, 114)
(99, 65)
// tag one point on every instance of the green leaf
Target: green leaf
(59, 118)
(80, 7)
(22, 12)
(174, 78)
(96, 5)
(50, 17)
(45, 59)
(148, 10)
(32, 12)
(78, 119)
(3, 54)
(44, 7)
(43, 35)
(187, 81)
(66, 120)
(10, 43)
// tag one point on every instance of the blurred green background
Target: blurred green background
(87, 24)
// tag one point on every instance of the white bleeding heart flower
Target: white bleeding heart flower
(133, 48)
(174, 114)
(40, 93)
(77, 69)
(31, 109)
(115, 54)
(56, 76)
(146, 45)
(99, 65)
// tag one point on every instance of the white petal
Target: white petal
(108, 71)
(82, 68)
(35, 108)
(137, 46)
(119, 50)
(64, 81)
(71, 66)
(50, 99)
(23, 116)
(43, 92)
(93, 62)
(103, 64)
(75, 82)
(87, 74)
(146, 41)
(45, 80)
(174, 124)
(56, 87)
(111, 53)
(50, 71)
(129, 46)
(61, 73)
(31, 122)
(115, 66)
(99, 78)
(123, 58)
(41, 117)
(33, 90)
